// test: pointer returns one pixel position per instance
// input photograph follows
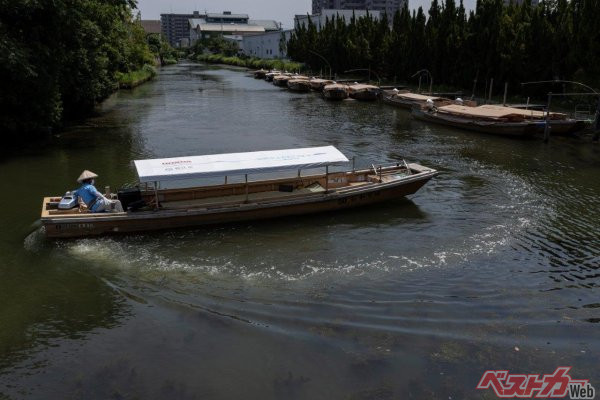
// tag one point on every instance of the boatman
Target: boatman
(93, 199)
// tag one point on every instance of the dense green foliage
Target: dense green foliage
(250, 62)
(558, 39)
(215, 45)
(162, 49)
(59, 58)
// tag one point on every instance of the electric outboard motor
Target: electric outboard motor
(68, 202)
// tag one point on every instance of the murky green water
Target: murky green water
(493, 265)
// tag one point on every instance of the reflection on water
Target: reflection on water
(494, 264)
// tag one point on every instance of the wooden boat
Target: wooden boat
(234, 202)
(299, 85)
(560, 123)
(318, 84)
(335, 91)
(260, 74)
(281, 80)
(497, 126)
(270, 75)
(364, 92)
(408, 100)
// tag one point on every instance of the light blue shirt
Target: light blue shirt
(88, 193)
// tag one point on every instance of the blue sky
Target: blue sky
(279, 10)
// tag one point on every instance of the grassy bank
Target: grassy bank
(251, 62)
(169, 61)
(135, 78)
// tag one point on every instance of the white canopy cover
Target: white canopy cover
(169, 169)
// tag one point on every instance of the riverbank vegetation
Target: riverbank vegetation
(250, 62)
(558, 39)
(59, 58)
(217, 50)
(131, 79)
(159, 46)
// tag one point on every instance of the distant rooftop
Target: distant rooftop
(151, 25)
(227, 14)
(268, 24)
(195, 14)
(232, 27)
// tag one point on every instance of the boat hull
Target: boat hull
(406, 104)
(562, 127)
(335, 94)
(510, 129)
(318, 84)
(364, 94)
(299, 86)
(260, 74)
(134, 222)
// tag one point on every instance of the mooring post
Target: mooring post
(505, 92)
(547, 127)
(485, 87)
(491, 87)
(156, 193)
(596, 136)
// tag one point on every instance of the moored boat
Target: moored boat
(335, 91)
(475, 119)
(299, 85)
(363, 92)
(270, 75)
(318, 84)
(281, 80)
(408, 100)
(560, 123)
(234, 202)
(260, 74)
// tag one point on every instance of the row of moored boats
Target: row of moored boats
(464, 114)
(331, 90)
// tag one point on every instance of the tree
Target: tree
(64, 61)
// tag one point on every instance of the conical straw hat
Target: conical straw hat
(86, 175)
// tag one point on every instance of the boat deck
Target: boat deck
(211, 202)
(259, 197)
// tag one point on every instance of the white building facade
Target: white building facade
(266, 45)
(228, 24)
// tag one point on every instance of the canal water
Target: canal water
(495, 264)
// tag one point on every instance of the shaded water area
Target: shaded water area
(493, 265)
